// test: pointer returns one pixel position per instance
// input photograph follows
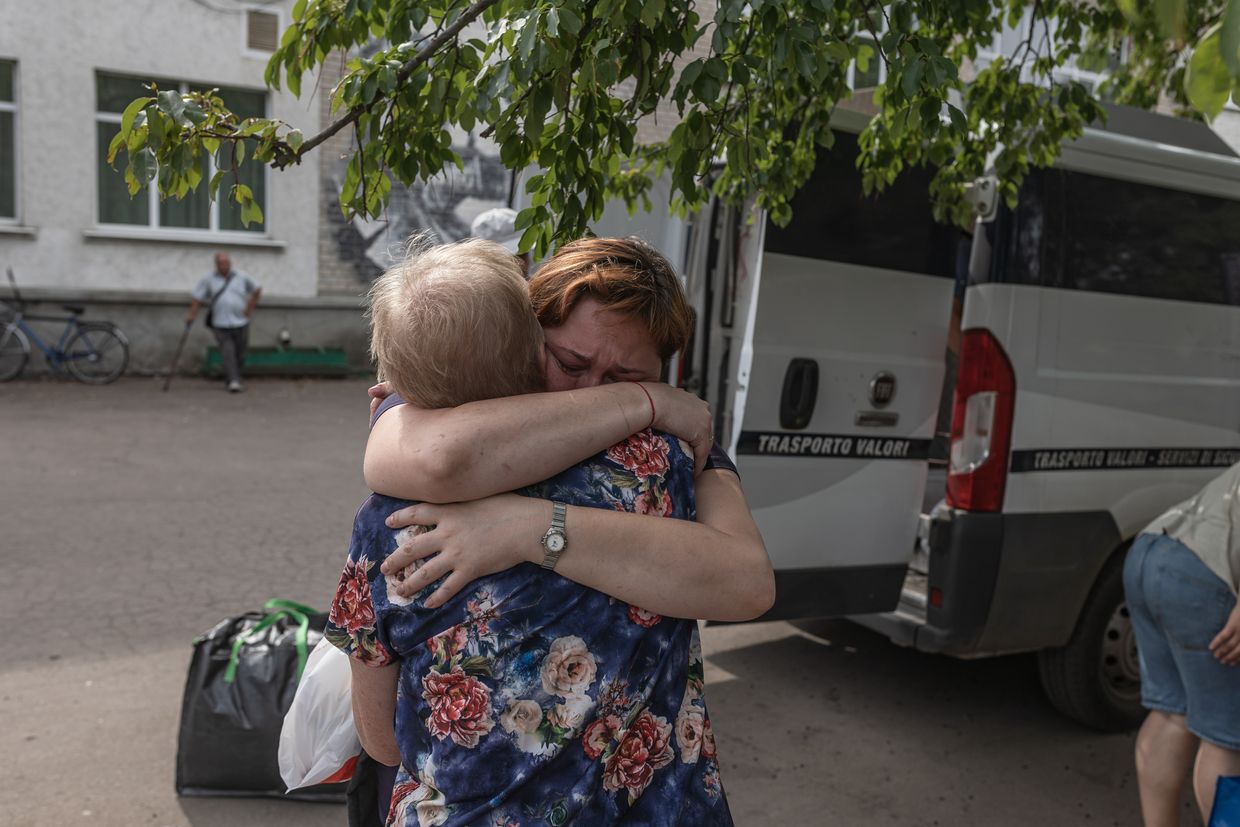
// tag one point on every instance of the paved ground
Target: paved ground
(130, 520)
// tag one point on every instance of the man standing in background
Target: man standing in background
(230, 296)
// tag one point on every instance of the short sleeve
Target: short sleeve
(352, 621)
(368, 619)
(250, 285)
(719, 459)
(202, 290)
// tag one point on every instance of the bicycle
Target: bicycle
(92, 352)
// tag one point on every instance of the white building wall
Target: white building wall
(58, 46)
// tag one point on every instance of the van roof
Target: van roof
(1163, 129)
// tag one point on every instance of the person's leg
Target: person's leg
(1165, 750)
(243, 344)
(1197, 605)
(233, 353)
(227, 344)
(1165, 746)
(1213, 761)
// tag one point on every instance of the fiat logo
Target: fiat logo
(882, 389)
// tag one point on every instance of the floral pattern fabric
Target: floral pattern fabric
(528, 699)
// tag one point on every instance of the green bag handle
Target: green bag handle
(280, 603)
(277, 608)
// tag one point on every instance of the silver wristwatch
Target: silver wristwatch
(556, 539)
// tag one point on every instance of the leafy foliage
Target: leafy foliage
(562, 84)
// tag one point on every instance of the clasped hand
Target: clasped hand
(465, 541)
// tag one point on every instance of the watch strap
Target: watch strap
(559, 513)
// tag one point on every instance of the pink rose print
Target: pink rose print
(643, 749)
(643, 453)
(689, 727)
(643, 618)
(399, 793)
(460, 707)
(708, 740)
(599, 734)
(446, 645)
(352, 608)
(650, 502)
(569, 668)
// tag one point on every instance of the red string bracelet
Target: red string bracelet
(649, 399)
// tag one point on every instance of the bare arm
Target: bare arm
(495, 445)
(713, 569)
(374, 710)
(253, 302)
(193, 310)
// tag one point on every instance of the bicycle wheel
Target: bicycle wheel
(97, 354)
(14, 353)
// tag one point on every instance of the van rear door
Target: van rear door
(838, 376)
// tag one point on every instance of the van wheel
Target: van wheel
(1095, 680)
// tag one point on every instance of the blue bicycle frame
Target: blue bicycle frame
(55, 355)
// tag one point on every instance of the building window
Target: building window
(875, 72)
(195, 211)
(8, 140)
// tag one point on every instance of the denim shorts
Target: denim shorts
(1177, 606)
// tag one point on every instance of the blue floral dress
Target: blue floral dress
(528, 699)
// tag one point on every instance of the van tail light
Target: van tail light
(981, 424)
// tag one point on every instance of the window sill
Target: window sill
(18, 230)
(229, 239)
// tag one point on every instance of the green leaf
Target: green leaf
(838, 51)
(1206, 82)
(131, 111)
(569, 20)
(1171, 18)
(295, 139)
(144, 165)
(173, 105)
(213, 186)
(251, 213)
(1229, 42)
(1130, 11)
(476, 665)
(959, 121)
(118, 141)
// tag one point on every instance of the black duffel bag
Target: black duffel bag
(241, 682)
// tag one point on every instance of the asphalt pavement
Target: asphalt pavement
(132, 520)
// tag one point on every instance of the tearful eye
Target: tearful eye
(571, 370)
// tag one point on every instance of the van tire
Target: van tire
(1094, 679)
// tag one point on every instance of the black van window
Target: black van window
(833, 220)
(1086, 232)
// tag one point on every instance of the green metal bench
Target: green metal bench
(284, 361)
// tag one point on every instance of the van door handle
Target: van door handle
(796, 406)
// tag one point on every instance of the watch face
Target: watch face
(555, 542)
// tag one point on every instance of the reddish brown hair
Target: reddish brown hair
(626, 275)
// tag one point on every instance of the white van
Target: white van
(1098, 383)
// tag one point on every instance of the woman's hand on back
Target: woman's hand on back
(467, 540)
(683, 415)
(377, 394)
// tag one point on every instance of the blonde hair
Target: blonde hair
(452, 323)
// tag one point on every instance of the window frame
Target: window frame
(153, 227)
(14, 106)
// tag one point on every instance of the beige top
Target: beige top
(1209, 524)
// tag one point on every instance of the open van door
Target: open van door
(825, 347)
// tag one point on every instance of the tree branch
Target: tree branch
(423, 54)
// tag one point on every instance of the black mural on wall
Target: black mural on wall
(445, 206)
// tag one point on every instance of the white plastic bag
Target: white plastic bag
(318, 743)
